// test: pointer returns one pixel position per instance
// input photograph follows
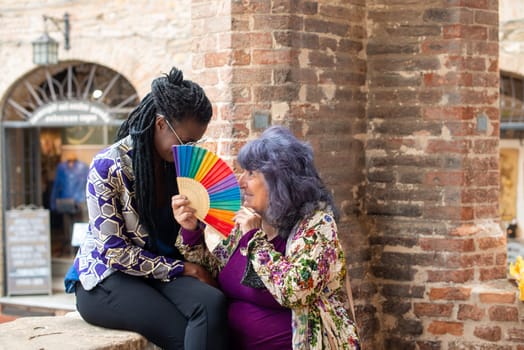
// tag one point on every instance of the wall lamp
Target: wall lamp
(45, 48)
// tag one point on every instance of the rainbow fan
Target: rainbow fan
(209, 184)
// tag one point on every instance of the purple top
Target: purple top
(256, 320)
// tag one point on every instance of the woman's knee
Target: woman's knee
(216, 302)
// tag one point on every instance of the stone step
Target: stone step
(66, 332)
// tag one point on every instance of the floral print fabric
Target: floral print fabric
(308, 279)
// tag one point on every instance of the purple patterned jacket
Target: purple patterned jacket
(115, 239)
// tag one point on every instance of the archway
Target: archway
(65, 112)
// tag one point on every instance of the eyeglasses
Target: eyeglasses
(180, 142)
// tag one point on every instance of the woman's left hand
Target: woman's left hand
(183, 213)
(247, 219)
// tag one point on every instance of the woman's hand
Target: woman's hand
(247, 219)
(183, 213)
(198, 272)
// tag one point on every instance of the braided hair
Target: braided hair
(177, 100)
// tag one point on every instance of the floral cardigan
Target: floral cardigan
(308, 279)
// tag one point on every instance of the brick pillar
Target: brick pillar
(301, 64)
(439, 255)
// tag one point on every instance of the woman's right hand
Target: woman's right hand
(247, 219)
(198, 272)
(183, 213)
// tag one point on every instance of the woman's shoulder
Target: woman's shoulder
(116, 156)
(320, 221)
(323, 214)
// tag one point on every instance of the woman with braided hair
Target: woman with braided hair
(128, 274)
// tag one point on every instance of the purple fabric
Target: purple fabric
(256, 320)
(190, 237)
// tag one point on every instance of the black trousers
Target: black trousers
(181, 314)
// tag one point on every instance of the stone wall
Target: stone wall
(138, 39)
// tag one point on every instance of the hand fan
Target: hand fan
(209, 184)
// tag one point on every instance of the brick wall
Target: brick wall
(301, 64)
(400, 102)
(439, 256)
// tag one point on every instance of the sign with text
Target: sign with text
(72, 113)
(28, 250)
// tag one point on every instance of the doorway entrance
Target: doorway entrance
(54, 120)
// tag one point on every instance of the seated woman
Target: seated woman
(282, 267)
(128, 273)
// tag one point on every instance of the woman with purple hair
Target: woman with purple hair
(282, 267)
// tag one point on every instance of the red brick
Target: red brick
(450, 79)
(450, 293)
(486, 146)
(470, 312)
(480, 195)
(477, 178)
(459, 31)
(457, 276)
(436, 47)
(270, 57)
(485, 80)
(444, 178)
(444, 146)
(516, 335)
(466, 63)
(472, 260)
(488, 333)
(493, 65)
(478, 4)
(487, 211)
(448, 113)
(494, 273)
(503, 313)
(432, 309)
(442, 327)
(491, 242)
(485, 17)
(251, 40)
(326, 26)
(217, 59)
(449, 212)
(250, 7)
(465, 230)
(240, 58)
(449, 245)
(498, 298)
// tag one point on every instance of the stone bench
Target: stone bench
(66, 332)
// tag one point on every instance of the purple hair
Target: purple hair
(295, 188)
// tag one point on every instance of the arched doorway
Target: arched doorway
(53, 115)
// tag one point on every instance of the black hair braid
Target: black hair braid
(139, 126)
(174, 98)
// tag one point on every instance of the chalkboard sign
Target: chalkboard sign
(28, 251)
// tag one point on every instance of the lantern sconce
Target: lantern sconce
(45, 48)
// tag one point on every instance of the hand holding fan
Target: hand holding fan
(209, 184)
